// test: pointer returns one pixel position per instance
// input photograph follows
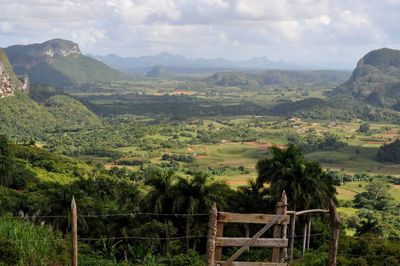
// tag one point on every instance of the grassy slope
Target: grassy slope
(71, 112)
(22, 116)
(44, 73)
(83, 69)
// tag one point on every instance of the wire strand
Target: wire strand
(110, 215)
(140, 238)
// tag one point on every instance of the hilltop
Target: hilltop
(376, 80)
(371, 93)
(60, 63)
(284, 78)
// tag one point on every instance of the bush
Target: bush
(390, 152)
(9, 252)
(364, 128)
(192, 258)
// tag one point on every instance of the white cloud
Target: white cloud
(290, 29)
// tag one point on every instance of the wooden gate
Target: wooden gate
(279, 242)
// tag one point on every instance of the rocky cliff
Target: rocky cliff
(9, 83)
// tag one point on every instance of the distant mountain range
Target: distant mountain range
(179, 61)
(60, 63)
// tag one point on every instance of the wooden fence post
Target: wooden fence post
(74, 232)
(292, 235)
(304, 236)
(335, 222)
(309, 232)
(279, 254)
(212, 235)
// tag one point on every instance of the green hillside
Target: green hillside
(44, 73)
(71, 112)
(60, 63)
(84, 69)
(23, 118)
(277, 78)
(372, 93)
(376, 80)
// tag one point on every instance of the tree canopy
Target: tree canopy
(305, 183)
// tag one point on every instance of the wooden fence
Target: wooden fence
(278, 243)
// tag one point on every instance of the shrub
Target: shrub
(9, 252)
(192, 258)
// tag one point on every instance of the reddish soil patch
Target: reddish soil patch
(236, 182)
(377, 142)
(390, 132)
(262, 145)
(181, 92)
(201, 157)
(109, 165)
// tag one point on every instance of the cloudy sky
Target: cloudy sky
(310, 31)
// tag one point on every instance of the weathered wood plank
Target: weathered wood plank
(253, 239)
(292, 234)
(251, 218)
(278, 254)
(220, 233)
(240, 241)
(245, 263)
(212, 235)
(74, 232)
(335, 224)
(310, 211)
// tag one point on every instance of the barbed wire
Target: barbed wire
(140, 238)
(107, 238)
(368, 256)
(109, 215)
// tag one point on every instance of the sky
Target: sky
(324, 32)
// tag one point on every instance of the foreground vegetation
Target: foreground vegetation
(38, 186)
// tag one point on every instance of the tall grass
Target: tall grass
(36, 245)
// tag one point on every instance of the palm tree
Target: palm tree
(5, 162)
(160, 197)
(59, 201)
(250, 199)
(305, 183)
(196, 195)
(129, 198)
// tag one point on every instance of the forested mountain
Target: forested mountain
(278, 78)
(49, 109)
(376, 80)
(21, 116)
(60, 63)
(371, 93)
